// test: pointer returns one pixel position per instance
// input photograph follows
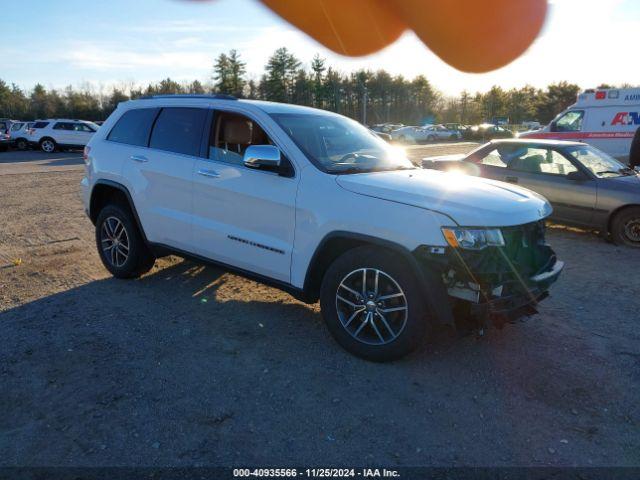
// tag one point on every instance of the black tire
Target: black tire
(625, 227)
(22, 144)
(410, 329)
(431, 138)
(46, 143)
(139, 258)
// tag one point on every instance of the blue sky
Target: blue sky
(128, 42)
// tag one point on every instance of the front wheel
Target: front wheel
(120, 244)
(625, 228)
(372, 304)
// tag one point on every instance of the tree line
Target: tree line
(366, 95)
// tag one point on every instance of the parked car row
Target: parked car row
(485, 132)
(428, 133)
(443, 132)
(47, 135)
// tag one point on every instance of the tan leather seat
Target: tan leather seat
(237, 131)
(529, 164)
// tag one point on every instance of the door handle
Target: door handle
(208, 173)
(139, 158)
(511, 179)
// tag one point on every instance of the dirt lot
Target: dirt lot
(192, 366)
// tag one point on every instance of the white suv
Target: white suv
(314, 203)
(53, 134)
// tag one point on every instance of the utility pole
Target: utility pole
(365, 95)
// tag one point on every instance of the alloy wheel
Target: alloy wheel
(48, 146)
(632, 230)
(371, 306)
(114, 241)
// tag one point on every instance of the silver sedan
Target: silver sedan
(586, 187)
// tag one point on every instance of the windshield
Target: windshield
(601, 164)
(340, 145)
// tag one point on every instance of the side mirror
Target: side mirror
(553, 127)
(577, 176)
(260, 156)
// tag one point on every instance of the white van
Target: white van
(606, 119)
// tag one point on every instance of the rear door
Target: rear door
(543, 170)
(243, 217)
(161, 175)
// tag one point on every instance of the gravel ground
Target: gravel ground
(193, 366)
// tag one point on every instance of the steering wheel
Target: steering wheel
(348, 156)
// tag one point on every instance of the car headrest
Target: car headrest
(530, 164)
(259, 137)
(237, 130)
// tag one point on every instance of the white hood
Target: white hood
(470, 201)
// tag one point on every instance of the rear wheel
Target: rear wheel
(48, 145)
(625, 227)
(21, 144)
(372, 304)
(120, 244)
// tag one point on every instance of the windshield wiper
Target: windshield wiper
(369, 170)
(620, 171)
(348, 171)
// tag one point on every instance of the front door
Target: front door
(242, 216)
(545, 171)
(80, 134)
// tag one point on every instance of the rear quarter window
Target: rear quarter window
(179, 130)
(133, 127)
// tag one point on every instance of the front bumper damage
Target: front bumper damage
(499, 284)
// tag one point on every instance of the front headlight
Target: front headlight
(473, 238)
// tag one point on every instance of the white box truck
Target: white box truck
(606, 119)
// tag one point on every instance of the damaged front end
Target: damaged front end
(494, 274)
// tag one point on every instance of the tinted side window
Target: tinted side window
(81, 127)
(63, 126)
(40, 124)
(133, 127)
(179, 130)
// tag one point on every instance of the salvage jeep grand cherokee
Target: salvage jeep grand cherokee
(314, 203)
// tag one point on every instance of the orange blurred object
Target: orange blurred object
(474, 35)
(349, 27)
(471, 35)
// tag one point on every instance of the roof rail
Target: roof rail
(216, 96)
